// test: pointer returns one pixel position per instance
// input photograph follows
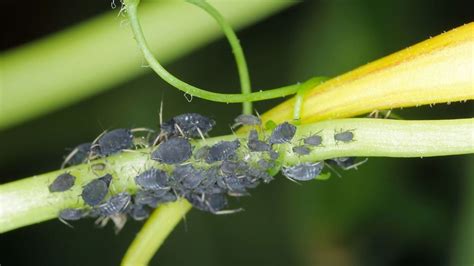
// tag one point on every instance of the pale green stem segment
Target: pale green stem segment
(299, 97)
(29, 201)
(236, 50)
(402, 134)
(153, 234)
(131, 7)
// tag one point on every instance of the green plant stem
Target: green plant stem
(28, 201)
(74, 64)
(386, 142)
(299, 97)
(236, 50)
(190, 89)
(165, 218)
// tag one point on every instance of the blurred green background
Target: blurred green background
(389, 212)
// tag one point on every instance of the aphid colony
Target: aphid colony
(205, 176)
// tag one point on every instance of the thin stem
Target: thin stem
(299, 98)
(152, 235)
(35, 62)
(236, 49)
(190, 89)
(28, 201)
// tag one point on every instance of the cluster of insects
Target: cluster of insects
(205, 176)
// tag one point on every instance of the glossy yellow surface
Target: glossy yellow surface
(438, 70)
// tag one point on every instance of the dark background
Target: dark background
(389, 212)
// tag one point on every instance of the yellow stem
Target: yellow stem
(438, 70)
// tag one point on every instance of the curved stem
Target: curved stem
(299, 97)
(236, 50)
(131, 7)
(28, 201)
(35, 62)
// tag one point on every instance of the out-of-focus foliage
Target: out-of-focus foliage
(389, 212)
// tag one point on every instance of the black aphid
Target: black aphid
(209, 184)
(173, 151)
(235, 185)
(201, 153)
(208, 202)
(96, 190)
(253, 135)
(346, 163)
(282, 133)
(274, 155)
(258, 174)
(303, 171)
(265, 164)
(314, 140)
(222, 150)
(188, 176)
(154, 179)
(302, 150)
(62, 183)
(189, 125)
(232, 167)
(343, 162)
(71, 214)
(345, 136)
(115, 205)
(78, 155)
(168, 197)
(257, 145)
(113, 142)
(149, 197)
(139, 212)
(248, 120)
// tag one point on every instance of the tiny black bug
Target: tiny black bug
(154, 179)
(282, 133)
(259, 174)
(201, 153)
(96, 190)
(346, 163)
(257, 145)
(235, 186)
(71, 214)
(344, 136)
(173, 151)
(301, 150)
(115, 205)
(265, 164)
(248, 120)
(274, 155)
(188, 125)
(208, 202)
(232, 167)
(113, 142)
(148, 197)
(78, 155)
(222, 150)
(209, 184)
(62, 183)
(303, 171)
(314, 140)
(188, 176)
(253, 135)
(139, 212)
(169, 196)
